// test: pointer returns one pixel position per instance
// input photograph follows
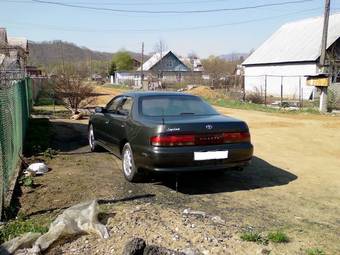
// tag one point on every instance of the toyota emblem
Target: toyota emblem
(209, 127)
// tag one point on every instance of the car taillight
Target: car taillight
(199, 139)
(236, 137)
(173, 140)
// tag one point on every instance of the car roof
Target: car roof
(155, 93)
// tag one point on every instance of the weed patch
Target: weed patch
(235, 104)
(315, 251)
(18, 227)
(50, 153)
(253, 237)
(26, 181)
(278, 237)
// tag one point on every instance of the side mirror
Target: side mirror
(123, 112)
(99, 109)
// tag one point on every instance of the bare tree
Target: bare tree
(70, 87)
(160, 47)
(218, 68)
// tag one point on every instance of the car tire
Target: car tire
(92, 141)
(128, 165)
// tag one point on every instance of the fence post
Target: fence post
(2, 156)
(300, 96)
(265, 90)
(281, 90)
(243, 87)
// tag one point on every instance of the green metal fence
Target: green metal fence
(15, 105)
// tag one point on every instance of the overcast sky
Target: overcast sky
(213, 33)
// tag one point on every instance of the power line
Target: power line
(173, 29)
(170, 11)
(129, 4)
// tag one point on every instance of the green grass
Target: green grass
(18, 227)
(315, 251)
(274, 237)
(230, 103)
(50, 110)
(278, 237)
(251, 236)
(116, 86)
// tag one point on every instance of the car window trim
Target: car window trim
(111, 102)
(126, 97)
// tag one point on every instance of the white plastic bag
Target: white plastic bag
(81, 218)
(37, 168)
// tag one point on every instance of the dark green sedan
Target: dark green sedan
(168, 132)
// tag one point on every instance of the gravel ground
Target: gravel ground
(293, 184)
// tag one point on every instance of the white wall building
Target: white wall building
(288, 56)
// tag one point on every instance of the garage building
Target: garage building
(284, 60)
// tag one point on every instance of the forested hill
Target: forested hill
(52, 52)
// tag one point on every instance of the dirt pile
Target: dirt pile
(205, 92)
(104, 94)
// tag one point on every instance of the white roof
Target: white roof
(153, 60)
(296, 42)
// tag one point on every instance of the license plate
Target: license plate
(207, 155)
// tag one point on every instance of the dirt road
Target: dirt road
(293, 184)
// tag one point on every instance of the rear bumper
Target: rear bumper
(181, 159)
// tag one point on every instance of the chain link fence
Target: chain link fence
(16, 101)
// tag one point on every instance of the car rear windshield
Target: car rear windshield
(176, 105)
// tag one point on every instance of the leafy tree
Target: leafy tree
(123, 61)
(113, 68)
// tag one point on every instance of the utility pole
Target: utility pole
(141, 68)
(323, 96)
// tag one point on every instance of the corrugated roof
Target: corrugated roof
(296, 42)
(154, 60)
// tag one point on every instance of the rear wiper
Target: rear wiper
(187, 113)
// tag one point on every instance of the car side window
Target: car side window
(125, 107)
(113, 104)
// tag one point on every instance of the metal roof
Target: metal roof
(154, 60)
(298, 41)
